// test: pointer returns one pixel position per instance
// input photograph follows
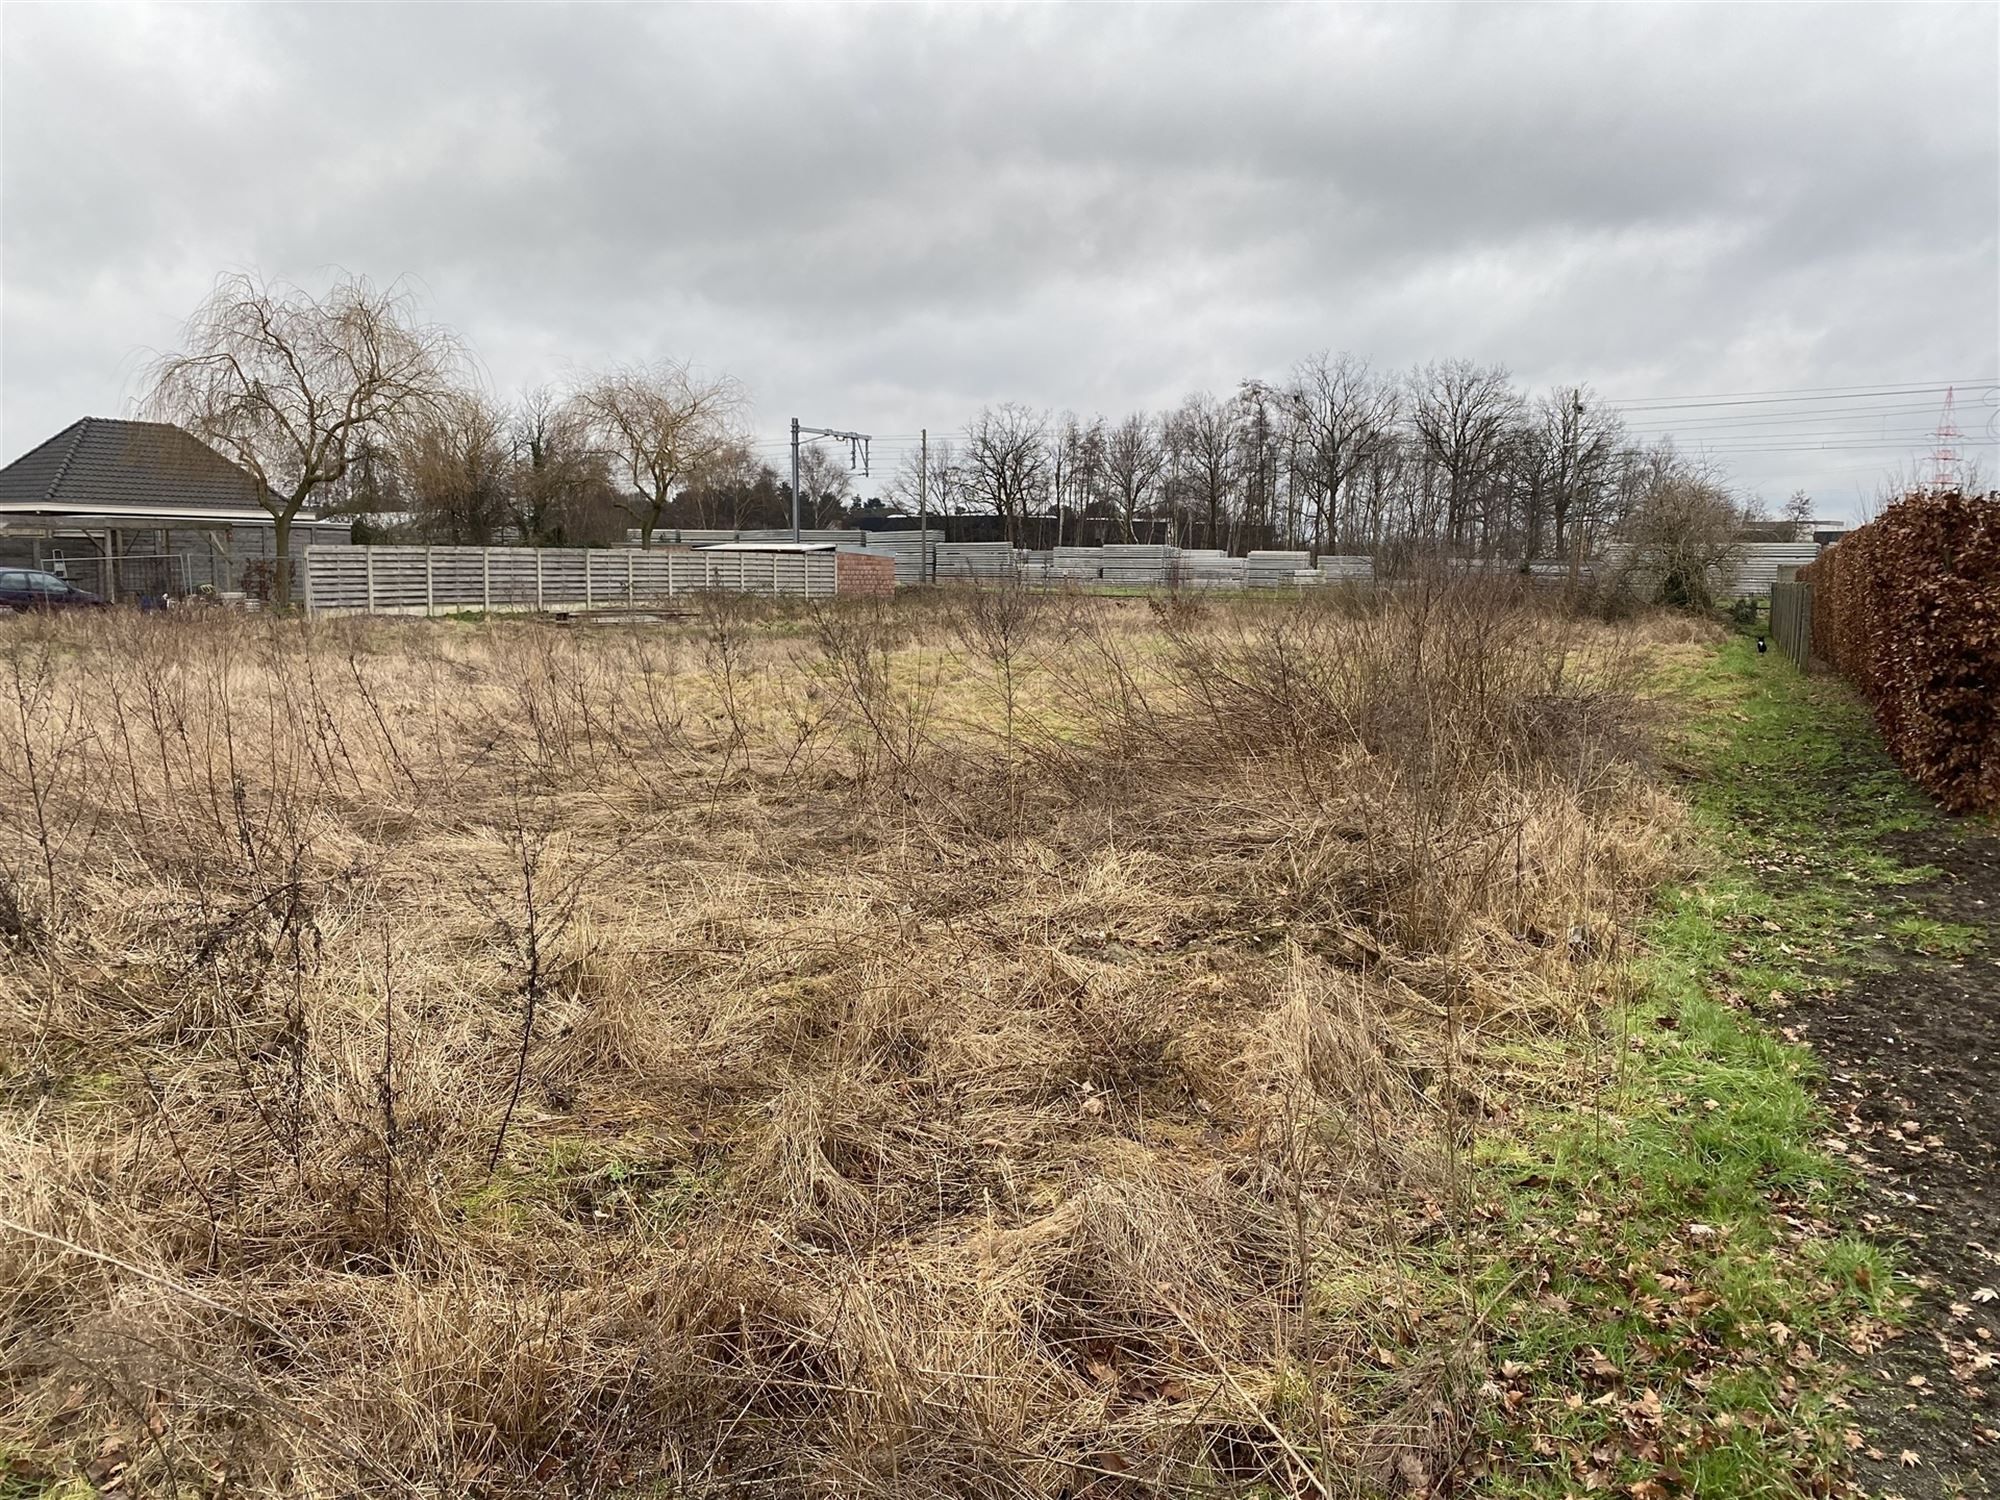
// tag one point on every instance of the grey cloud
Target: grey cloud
(892, 216)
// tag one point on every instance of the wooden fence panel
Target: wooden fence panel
(1791, 621)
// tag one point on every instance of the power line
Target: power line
(1796, 393)
(1751, 419)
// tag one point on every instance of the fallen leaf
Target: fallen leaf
(1908, 1458)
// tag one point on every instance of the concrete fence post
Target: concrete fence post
(486, 579)
(538, 580)
(628, 577)
(305, 569)
(586, 578)
(430, 586)
(368, 558)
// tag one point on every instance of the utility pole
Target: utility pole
(857, 453)
(923, 503)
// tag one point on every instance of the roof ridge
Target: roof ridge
(68, 458)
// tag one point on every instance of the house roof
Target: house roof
(100, 466)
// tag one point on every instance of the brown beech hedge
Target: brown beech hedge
(1908, 609)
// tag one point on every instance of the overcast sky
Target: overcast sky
(885, 218)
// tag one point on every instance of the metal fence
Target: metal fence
(146, 578)
(1791, 620)
(430, 580)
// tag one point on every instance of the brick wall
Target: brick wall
(856, 573)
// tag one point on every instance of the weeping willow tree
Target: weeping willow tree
(295, 387)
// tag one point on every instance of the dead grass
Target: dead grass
(975, 1045)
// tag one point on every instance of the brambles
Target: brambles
(737, 1093)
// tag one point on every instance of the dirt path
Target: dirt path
(1912, 1056)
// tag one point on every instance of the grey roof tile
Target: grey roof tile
(101, 461)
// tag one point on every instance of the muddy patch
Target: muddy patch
(1912, 1055)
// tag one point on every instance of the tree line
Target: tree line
(1338, 457)
(348, 403)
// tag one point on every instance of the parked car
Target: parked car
(23, 589)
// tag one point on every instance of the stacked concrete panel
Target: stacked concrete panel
(1135, 564)
(1275, 570)
(1208, 568)
(907, 548)
(972, 562)
(1348, 569)
(1756, 569)
(1076, 564)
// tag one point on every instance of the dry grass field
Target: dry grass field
(988, 1044)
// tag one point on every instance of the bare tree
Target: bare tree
(293, 386)
(1258, 443)
(942, 485)
(1461, 414)
(826, 481)
(560, 478)
(1084, 446)
(457, 465)
(731, 488)
(1799, 511)
(1574, 446)
(659, 424)
(1068, 468)
(1685, 531)
(1133, 460)
(1173, 474)
(1209, 432)
(1006, 462)
(1343, 414)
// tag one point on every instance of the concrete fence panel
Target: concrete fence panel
(442, 580)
